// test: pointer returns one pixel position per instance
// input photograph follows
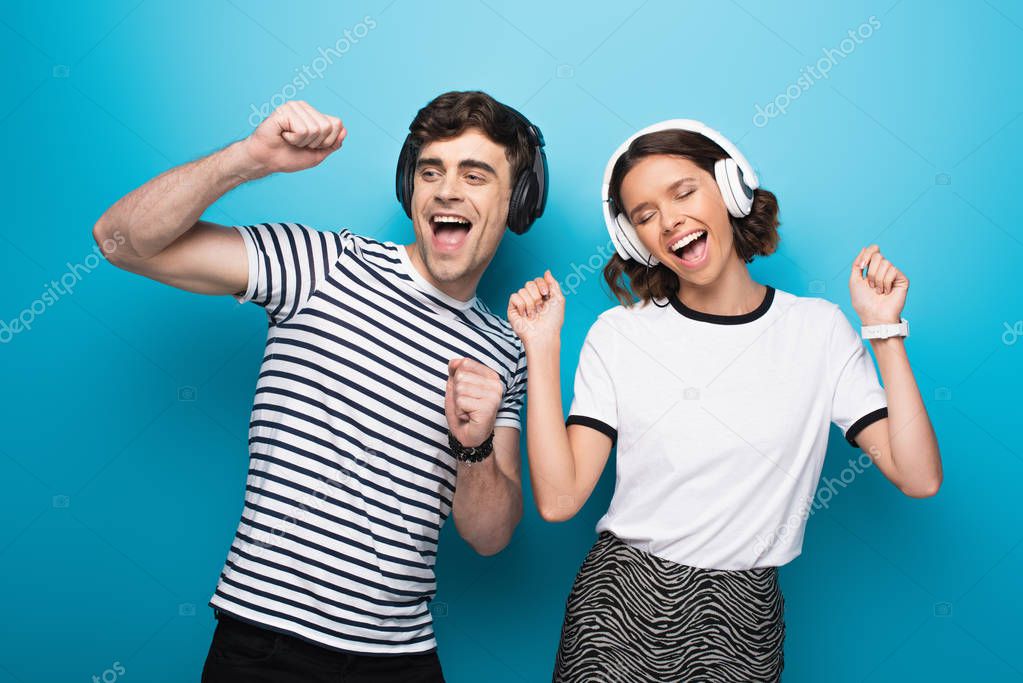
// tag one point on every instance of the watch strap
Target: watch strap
(899, 329)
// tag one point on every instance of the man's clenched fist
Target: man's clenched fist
(293, 138)
(471, 400)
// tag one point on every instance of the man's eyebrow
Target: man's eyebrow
(671, 189)
(477, 164)
(464, 164)
(429, 161)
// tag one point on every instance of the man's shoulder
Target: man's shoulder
(497, 325)
(360, 245)
(296, 229)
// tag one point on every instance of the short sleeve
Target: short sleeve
(286, 262)
(859, 399)
(594, 403)
(509, 414)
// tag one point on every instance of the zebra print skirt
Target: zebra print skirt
(633, 617)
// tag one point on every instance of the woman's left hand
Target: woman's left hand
(880, 295)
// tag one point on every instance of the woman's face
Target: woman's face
(679, 216)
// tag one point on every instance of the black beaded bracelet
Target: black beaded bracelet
(470, 454)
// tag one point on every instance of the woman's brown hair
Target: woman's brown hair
(753, 235)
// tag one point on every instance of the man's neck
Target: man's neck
(463, 289)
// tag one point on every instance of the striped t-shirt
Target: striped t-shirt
(349, 475)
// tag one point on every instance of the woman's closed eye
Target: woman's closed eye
(640, 220)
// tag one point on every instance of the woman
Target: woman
(719, 392)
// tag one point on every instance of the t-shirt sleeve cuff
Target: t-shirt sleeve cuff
(253, 265)
(593, 423)
(864, 422)
(512, 422)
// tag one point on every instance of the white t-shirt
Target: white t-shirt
(722, 422)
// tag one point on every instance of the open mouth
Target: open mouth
(691, 249)
(449, 230)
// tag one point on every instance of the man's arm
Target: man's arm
(156, 230)
(488, 495)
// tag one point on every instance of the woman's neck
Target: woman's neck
(733, 292)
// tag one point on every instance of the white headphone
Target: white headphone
(734, 175)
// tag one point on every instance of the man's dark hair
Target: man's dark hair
(450, 114)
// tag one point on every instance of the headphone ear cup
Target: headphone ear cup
(528, 200)
(522, 197)
(404, 180)
(736, 193)
(629, 242)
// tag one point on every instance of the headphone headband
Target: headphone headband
(693, 126)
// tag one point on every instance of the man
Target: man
(385, 383)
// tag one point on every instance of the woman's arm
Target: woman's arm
(903, 446)
(564, 463)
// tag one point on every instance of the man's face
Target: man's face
(460, 209)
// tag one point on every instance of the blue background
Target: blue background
(121, 495)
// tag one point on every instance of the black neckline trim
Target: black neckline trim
(717, 319)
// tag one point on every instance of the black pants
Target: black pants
(241, 652)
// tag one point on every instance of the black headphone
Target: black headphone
(529, 194)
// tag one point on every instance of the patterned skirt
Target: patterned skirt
(633, 617)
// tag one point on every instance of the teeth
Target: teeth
(686, 240)
(450, 219)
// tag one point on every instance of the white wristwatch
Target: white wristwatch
(884, 331)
